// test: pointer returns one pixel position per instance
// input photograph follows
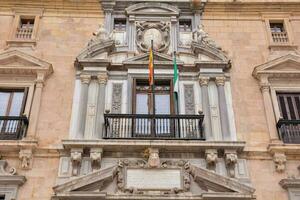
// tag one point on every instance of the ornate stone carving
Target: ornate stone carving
(211, 157)
(25, 156)
(85, 78)
(123, 165)
(220, 80)
(189, 100)
(230, 161)
(201, 37)
(76, 158)
(102, 78)
(116, 98)
(100, 35)
(159, 32)
(279, 160)
(5, 170)
(96, 155)
(153, 157)
(203, 80)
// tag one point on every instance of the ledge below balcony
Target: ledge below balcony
(133, 145)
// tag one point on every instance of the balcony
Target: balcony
(12, 127)
(280, 37)
(138, 126)
(289, 131)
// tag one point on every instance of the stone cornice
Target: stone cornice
(290, 183)
(168, 145)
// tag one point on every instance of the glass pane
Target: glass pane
(162, 104)
(4, 98)
(16, 104)
(142, 104)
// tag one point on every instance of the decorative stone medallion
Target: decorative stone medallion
(159, 32)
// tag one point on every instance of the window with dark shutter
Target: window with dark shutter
(289, 104)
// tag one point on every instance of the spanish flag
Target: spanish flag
(151, 68)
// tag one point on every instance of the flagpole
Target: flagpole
(153, 85)
(175, 93)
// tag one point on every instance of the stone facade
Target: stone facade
(78, 66)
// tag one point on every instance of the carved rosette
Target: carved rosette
(142, 164)
(279, 160)
(159, 32)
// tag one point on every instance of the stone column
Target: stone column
(102, 80)
(131, 33)
(108, 21)
(220, 81)
(82, 108)
(271, 122)
(35, 108)
(174, 33)
(205, 105)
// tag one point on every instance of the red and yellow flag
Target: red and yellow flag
(151, 69)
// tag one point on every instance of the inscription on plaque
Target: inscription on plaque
(153, 179)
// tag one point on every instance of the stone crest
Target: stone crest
(159, 32)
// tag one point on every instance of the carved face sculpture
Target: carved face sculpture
(159, 32)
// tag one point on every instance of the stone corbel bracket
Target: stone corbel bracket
(153, 157)
(211, 157)
(76, 158)
(279, 161)
(96, 156)
(26, 157)
(230, 161)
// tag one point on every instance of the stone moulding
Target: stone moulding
(143, 9)
(86, 187)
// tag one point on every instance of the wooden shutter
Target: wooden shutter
(289, 104)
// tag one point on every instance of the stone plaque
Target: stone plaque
(153, 179)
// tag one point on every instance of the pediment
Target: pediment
(152, 9)
(287, 65)
(91, 186)
(159, 58)
(18, 62)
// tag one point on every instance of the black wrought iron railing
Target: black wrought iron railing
(12, 127)
(136, 126)
(289, 131)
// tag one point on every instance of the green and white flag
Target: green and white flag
(176, 81)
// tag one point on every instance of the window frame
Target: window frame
(134, 93)
(36, 15)
(11, 91)
(285, 19)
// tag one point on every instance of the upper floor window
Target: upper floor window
(2, 197)
(12, 104)
(185, 25)
(25, 28)
(120, 24)
(120, 31)
(278, 32)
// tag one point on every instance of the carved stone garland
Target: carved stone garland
(142, 164)
(159, 32)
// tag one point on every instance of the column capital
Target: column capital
(264, 87)
(102, 78)
(85, 78)
(220, 80)
(203, 80)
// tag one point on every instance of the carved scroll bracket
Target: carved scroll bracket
(96, 156)
(25, 156)
(211, 157)
(280, 161)
(76, 158)
(5, 170)
(230, 161)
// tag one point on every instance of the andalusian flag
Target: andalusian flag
(151, 68)
(176, 84)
